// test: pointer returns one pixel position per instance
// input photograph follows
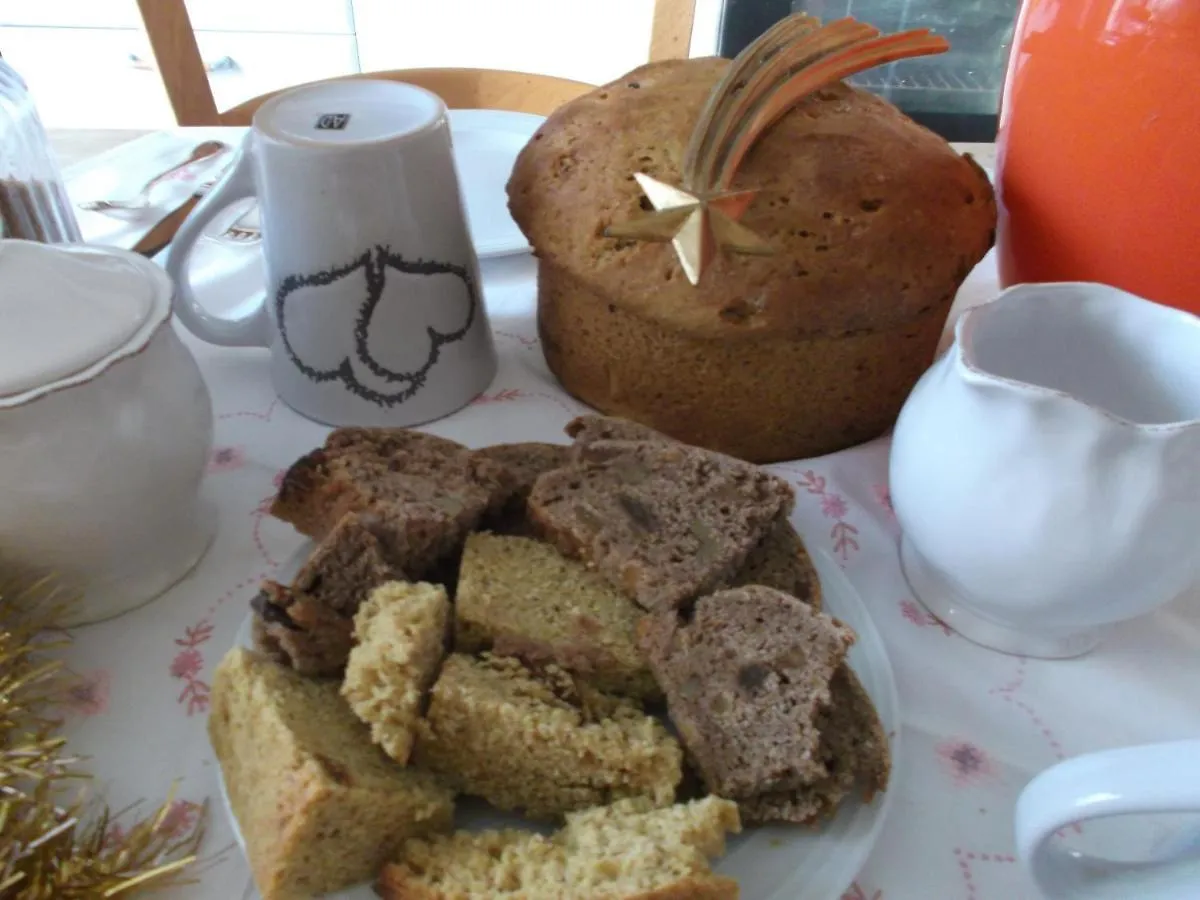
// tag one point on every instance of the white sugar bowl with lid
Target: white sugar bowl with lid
(105, 427)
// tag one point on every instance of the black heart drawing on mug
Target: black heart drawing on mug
(396, 336)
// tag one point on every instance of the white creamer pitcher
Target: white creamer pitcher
(1046, 470)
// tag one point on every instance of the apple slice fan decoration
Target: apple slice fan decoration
(770, 77)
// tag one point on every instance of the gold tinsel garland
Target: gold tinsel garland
(55, 844)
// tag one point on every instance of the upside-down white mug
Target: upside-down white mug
(1155, 778)
(373, 311)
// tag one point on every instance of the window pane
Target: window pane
(956, 93)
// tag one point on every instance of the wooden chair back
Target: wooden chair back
(459, 88)
(183, 73)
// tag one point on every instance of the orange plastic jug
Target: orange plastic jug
(1098, 163)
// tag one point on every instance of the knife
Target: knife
(164, 230)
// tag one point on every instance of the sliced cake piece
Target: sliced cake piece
(525, 463)
(540, 742)
(782, 562)
(300, 632)
(626, 851)
(664, 523)
(589, 429)
(779, 561)
(854, 748)
(745, 680)
(425, 492)
(319, 806)
(520, 597)
(400, 638)
(308, 624)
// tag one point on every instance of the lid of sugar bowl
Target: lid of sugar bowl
(66, 308)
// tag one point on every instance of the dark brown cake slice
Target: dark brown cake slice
(589, 429)
(308, 624)
(662, 522)
(782, 562)
(426, 492)
(746, 678)
(525, 462)
(854, 749)
(299, 632)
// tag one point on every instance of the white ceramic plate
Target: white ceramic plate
(770, 863)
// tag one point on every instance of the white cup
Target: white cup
(373, 310)
(1155, 778)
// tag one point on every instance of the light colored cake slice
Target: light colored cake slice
(626, 851)
(400, 635)
(540, 741)
(320, 807)
(521, 597)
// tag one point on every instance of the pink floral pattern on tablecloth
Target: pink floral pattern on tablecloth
(508, 395)
(883, 496)
(966, 763)
(260, 514)
(969, 869)
(529, 343)
(226, 459)
(89, 694)
(843, 535)
(1011, 692)
(263, 415)
(502, 396)
(188, 665)
(858, 892)
(914, 612)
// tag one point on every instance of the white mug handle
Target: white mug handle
(249, 329)
(1154, 778)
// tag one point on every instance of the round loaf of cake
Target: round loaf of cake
(874, 222)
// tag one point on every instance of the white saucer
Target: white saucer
(770, 862)
(486, 144)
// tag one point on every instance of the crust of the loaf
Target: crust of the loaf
(826, 395)
(873, 218)
(299, 502)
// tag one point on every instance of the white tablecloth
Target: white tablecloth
(977, 725)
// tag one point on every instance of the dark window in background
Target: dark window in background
(956, 94)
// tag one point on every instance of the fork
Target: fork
(242, 234)
(141, 199)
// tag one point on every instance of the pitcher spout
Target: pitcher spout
(1129, 359)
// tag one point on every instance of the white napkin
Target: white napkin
(120, 173)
